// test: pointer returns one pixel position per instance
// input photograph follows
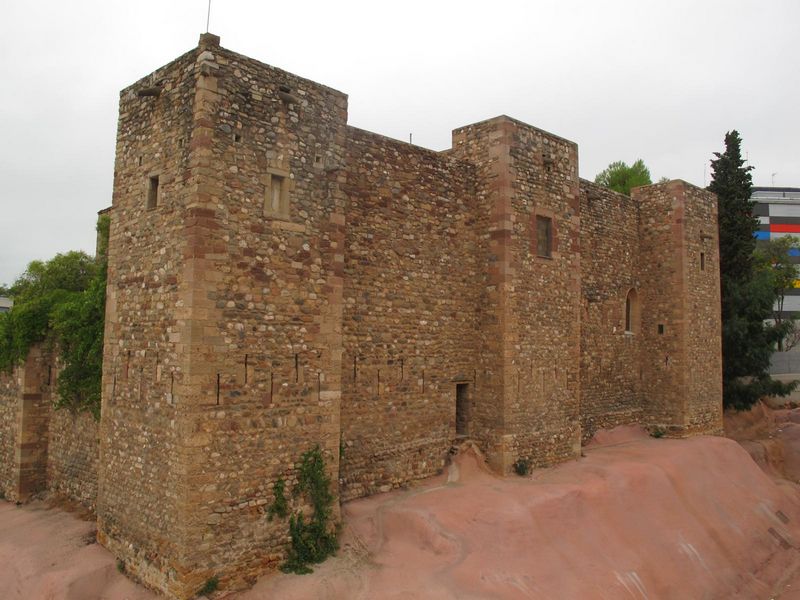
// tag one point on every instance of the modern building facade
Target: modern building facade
(778, 213)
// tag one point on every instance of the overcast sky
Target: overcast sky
(662, 81)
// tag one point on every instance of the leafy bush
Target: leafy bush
(61, 303)
(211, 585)
(279, 505)
(314, 540)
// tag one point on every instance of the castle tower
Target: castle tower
(681, 357)
(650, 331)
(223, 334)
(527, 181)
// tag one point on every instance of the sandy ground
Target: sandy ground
(636, 518)
(51, 554)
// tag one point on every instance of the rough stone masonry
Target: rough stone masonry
(279, 279)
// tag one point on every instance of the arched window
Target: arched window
(631, 311)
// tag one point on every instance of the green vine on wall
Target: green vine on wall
(61, 304)
(313, 539)
(279, 506)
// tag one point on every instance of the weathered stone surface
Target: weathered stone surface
(72, 456)
(666, 371)
(25, 407)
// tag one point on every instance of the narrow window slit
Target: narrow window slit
(462, 409)
(152, 192)
(544, 236)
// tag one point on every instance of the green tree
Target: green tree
(61, 302)
(747, 285)
(36, 294)
(70, 272)
(78, 324)
(621, 178)
(775, 254)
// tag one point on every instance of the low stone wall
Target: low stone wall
(44, 450)
(10, 392)
(72, 457)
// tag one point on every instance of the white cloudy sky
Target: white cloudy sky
(625, 79)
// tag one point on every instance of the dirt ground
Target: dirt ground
(49, 553)
(635, 518)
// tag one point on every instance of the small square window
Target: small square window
(544, 236)
(152, 192)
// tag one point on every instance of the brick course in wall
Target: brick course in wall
(280, 280)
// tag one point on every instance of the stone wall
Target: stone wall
(44, 450)
(663, 356)
(543, 335)
(25, 407)
(485, 145)
(223, 337)
(531, 310)
(10, 397)
(142, 435)
(680, 321)
(704, 335)
(72, 457)
(611, 390)
(266, 349)
(413, 271)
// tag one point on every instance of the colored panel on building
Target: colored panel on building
(784, 227)
(784, 210)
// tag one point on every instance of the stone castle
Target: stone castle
(279, 279)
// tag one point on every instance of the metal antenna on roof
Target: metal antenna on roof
(208, 15)
(773, 178)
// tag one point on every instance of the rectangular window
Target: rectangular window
(275, 193)
(277, 187)
(462, 409)
(152, 193)
(702, 261)
(544, 236)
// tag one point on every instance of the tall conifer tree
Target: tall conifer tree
(747, 290)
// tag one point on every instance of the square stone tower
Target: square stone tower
(223, 338)
(527, 180)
